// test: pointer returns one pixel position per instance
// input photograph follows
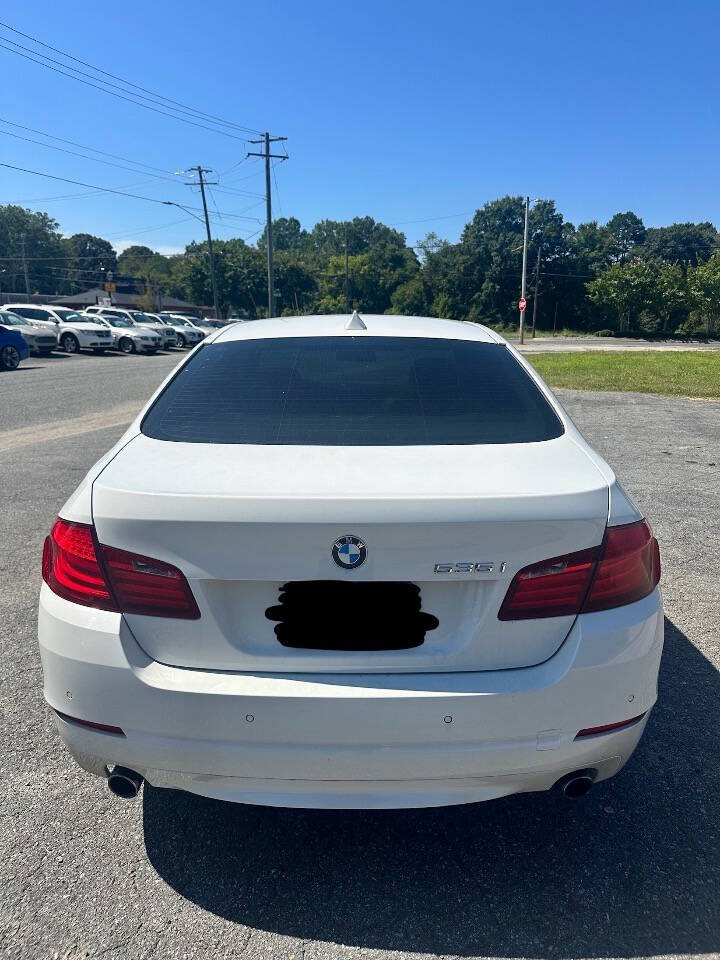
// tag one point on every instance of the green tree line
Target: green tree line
(619, 277)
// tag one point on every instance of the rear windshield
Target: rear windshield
(352, 391)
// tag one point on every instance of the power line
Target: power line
(121, 193)
(239, 193)
(120, 96)
(72, 143)
(277, 191)
(83, 276)
(57, 280)
(127, 83)
(90, 256)
(81, 196)
(120, 236)
(236, 178)
(74, 153)
(233, 166)
(447, 216)
(225, 228)
(148, 229)
(92, 186)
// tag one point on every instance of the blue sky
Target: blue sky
(404, 111)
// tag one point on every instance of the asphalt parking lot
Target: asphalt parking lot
(631, 871)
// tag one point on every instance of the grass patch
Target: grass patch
(511, 332)
(681, 374)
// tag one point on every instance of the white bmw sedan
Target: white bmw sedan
(351, 562)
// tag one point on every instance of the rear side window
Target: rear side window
(352, 391)
(33, 313)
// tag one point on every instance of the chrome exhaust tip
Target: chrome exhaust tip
(577, 784)
(124, 783)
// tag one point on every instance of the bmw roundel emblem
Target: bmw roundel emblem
(349, 552)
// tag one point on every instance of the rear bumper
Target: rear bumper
(351, 740)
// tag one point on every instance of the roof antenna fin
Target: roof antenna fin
(355, 322)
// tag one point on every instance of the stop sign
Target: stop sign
(522, 303)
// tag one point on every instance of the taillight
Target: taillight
(70, 566)
(551, 588)
(148, 587)
(118, 580)
(629, 569)
(623, 569)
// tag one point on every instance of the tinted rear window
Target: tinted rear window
(352, 391)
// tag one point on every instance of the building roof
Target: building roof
(90, 297)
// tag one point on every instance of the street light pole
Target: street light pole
(25, 266)
(347, 275)
(524, 269)
(213, 279)
(202, 183)
(537, 288)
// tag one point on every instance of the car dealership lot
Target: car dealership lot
(632, 870)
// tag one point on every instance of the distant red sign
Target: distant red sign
(522, 303)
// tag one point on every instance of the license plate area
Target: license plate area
(336, 615)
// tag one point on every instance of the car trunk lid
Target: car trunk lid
(249, 525)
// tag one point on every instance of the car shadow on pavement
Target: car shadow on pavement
(632, 869)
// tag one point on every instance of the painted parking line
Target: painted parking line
(119, 416)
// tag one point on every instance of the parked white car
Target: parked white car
(75, 331)
(138, 318)
(129, 337)
(391, 573)
(39, 338)
(177, 322)
(167, 333)
(186, 334)
(201, 322)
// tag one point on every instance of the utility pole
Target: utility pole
(524, 269)
(201, 171)
(266, 141)
(25, 267)
(537, 285)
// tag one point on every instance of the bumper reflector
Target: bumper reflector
(102, 727)
(608, 727)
